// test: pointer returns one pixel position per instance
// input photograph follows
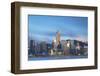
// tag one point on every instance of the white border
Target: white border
(25, 64)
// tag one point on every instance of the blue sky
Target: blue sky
(44, 27)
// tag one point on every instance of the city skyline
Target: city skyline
(44, 28)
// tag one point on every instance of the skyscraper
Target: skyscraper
(57, 37)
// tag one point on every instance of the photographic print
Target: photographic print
(52, 37)
(57, 37)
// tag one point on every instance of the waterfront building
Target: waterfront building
(43, 48)
(65, 47)
(54, 47)
(31, 47)
(72, 43)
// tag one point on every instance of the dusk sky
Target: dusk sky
(44, 27)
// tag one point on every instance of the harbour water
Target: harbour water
(56, 58)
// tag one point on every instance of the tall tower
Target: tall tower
(57, 37)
